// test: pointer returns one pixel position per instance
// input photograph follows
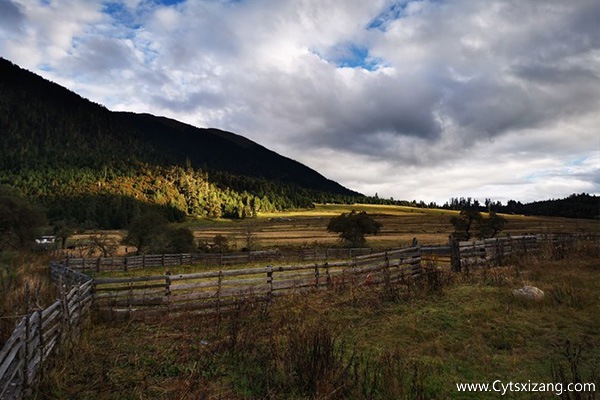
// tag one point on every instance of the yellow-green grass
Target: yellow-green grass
(400, 225)
(418, 342)
(308, 228)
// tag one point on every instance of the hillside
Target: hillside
(88, 164)
(575, 206)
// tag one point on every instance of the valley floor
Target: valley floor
(387, 343)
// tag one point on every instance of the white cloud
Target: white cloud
(459, 98)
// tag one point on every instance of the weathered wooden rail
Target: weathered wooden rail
(39, 333)
(131, 263)
(215, 290)
(495, 251)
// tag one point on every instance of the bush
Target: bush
(353, 227)
(150, 233)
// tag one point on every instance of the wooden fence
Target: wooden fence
(130, 263)
(495, 251)
(216, 290)
(36, 336)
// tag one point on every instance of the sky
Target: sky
(414, 100)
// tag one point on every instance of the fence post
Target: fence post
(353, 282)
(40, 345)
(26, 342)
(454, 254)
(77, 311)
(219, 283)
(327, 275)
(499, 252)
(386, 273)
(317, 275)
(168, 286)
(270, 283)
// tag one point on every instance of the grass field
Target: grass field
(308, 228)
(400, 225)
(412, 342)
(394, 343)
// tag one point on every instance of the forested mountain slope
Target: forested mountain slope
(92, 165)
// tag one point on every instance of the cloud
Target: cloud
(412, 99)
(99, 55)
(11, 16)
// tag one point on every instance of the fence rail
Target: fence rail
(215, 290)
(495, 251)
(38, 333)
(130, 263)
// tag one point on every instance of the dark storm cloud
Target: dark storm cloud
(11, 16)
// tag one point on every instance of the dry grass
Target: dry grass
(24, 284)
(400, 225)
(403, 342)
(308, 228)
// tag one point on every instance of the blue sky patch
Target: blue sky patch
(169, 2)
(393, 12)
(355, 56)
(120, 13)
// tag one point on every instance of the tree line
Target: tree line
(581, 205)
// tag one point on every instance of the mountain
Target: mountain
(90, 165)
(225, 151)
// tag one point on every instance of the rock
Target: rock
(529, 293)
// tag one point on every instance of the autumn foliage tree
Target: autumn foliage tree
(352, 227)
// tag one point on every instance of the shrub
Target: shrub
(353, 227)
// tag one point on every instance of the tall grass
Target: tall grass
(409, 341)
(24, 286)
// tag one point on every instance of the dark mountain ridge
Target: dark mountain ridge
(176, 141)
(72, 155)
(225, 151)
